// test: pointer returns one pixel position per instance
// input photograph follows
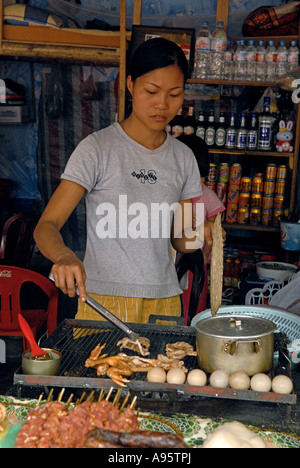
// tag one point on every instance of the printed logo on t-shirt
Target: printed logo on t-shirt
(144, 176)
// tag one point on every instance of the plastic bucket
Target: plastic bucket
(290, 236)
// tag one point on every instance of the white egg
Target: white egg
(157, 374)
(282, 384)
(197, 377)
(219, 379)
(261, 383)
(239, 381)
(176, 376)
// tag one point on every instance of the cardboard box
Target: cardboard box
(14, 114)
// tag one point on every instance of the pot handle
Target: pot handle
(230, 347)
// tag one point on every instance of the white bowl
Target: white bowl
(275, 270)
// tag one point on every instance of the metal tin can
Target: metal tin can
(224, 173)
(255, 215)
(269, 187)
(244, 199)
(259, 175)
(243, 215)
(268, 202)
(231, 213)
(277, 215)
(211, 185)
(256, 200)
(266, 217)
(279, 202)
(271, 172)
(282, 173)
(222, 191)
(280, 187)
(235, 175)
(246, 184)
(233, 194)
(212, 173)
(257, 185)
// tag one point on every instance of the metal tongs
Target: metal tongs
(107, 315)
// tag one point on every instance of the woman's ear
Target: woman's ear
(129, 84)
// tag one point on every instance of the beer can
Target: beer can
(246, 184)
(277, 215)
(231, 213)
(282, 173)
(255, 215)
(256, 200)
(224, 173)
(259, 175)
(244, 199)
(269, 187)
(212, 173)
(211, 185)
(271, 172)
(235, 175)
(279, 202)
(222, 191)
(257, 185)
(268, 202)
(243, 215)
(233, 194)
(266, 217)
(280, 187)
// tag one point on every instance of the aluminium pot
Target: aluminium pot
(235, 343)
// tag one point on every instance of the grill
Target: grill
(75, 339)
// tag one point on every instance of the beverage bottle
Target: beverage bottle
(236, 273)
(240, 61)
(252, 137)
(293, 56)
(218, 47)
(210, 133)
(190, 122)
(282, 59)
(251, 61)
(202, 52)
(229, 62)
(201, 127)
(227, 273)
(271, 59)
(231, 134)
(261, 62)
(178, 123)
(241, 138)
(221, 131)
(265, 129)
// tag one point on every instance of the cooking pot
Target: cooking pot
(235, 343)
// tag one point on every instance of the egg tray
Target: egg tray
(75, 339)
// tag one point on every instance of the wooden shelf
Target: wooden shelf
(231, 83)
(273, 154)
(250, 227)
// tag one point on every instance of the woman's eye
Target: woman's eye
(150, 92)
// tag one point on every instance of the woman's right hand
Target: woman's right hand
(69, 272)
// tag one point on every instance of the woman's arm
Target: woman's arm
(67, 268)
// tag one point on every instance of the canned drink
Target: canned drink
(259, 175)
(268, 202)
(279, 202)
(257, 185)
(224, 173)
(233, 194)
(246, 184)
(211, 186)
(256, 200)
(277, 215)
(280, 187)
(255, 215)
(235, 175)
(244, 199)
(266, 217)
(243, 215)
(269, 187)
(231, 213)
(212, 173)
(222, 191)
(282, 173)
(271, 172)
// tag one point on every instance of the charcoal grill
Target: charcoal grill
(75, 339)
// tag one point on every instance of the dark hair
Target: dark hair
(200, 150)
(157, 53)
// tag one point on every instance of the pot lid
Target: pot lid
(236, 326)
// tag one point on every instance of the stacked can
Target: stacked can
(280, 185)
(222, 184)
(256, 199)
(268, 197)
(212, 176)
(244, 200)
(235, 177)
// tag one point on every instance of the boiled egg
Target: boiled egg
(197, 377)
(176, 376)
(282, 384)
(239, 381)
(261, 383)
(157, 374)
(219, 379)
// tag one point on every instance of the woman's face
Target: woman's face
(157, 96)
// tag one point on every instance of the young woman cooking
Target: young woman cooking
(127, 173)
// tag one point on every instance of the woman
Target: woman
(126, 172)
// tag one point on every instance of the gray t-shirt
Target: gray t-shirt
(129, 192)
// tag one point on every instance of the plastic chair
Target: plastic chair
(17, 241)
(265, 294)
(193, 264)
(12, 280)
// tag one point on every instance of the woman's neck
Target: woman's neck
(146, 137)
